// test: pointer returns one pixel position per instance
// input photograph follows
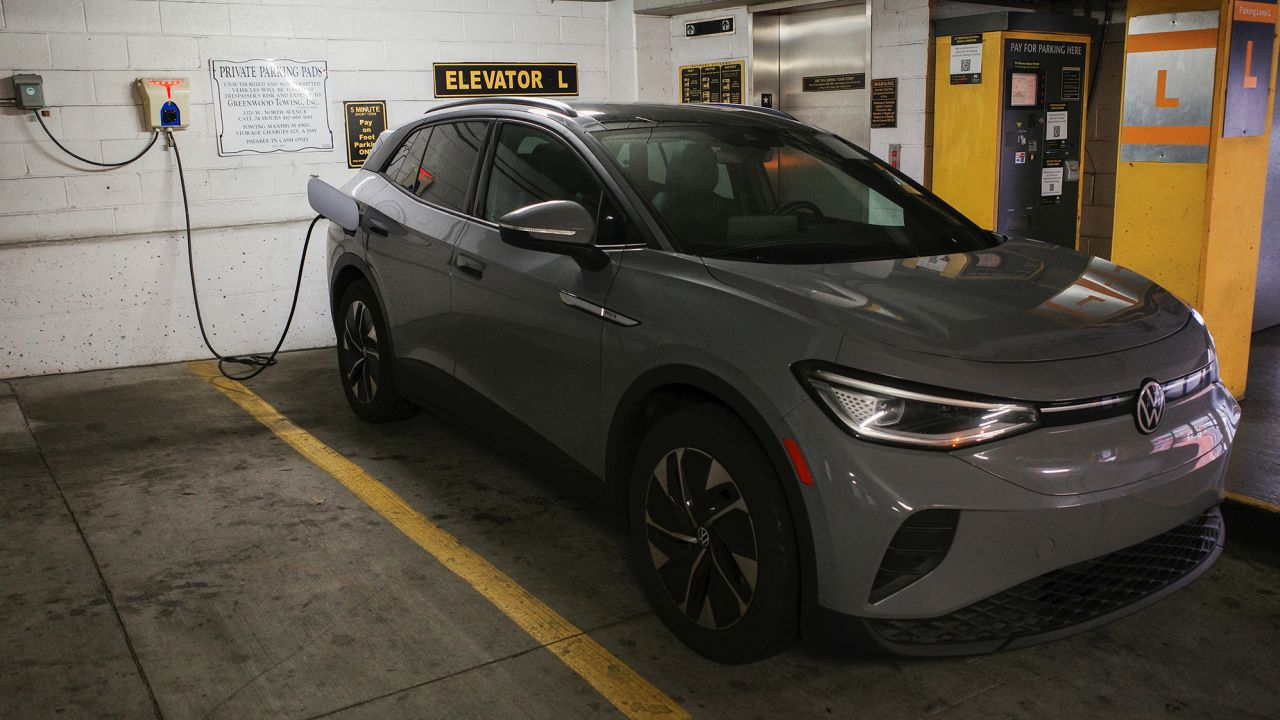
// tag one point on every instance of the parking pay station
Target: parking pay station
(1010, 96)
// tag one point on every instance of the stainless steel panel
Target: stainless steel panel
(1165, 153)
(1188, 77)
(827, 41)
(1173, 22)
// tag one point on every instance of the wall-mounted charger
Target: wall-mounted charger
(165, 102)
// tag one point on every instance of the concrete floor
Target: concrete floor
(164, 554)
(1255, 459)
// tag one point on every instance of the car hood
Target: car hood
(1021, 301)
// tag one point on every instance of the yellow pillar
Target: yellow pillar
(1189, 219)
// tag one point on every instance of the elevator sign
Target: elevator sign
(495, 79)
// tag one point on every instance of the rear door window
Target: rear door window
(438, 162)
(449, 163)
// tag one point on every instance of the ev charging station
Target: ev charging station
(1011, 93)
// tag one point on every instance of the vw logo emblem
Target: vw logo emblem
(1150, 409)
(704, 537)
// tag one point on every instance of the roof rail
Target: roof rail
(754, 108)
(559, 106)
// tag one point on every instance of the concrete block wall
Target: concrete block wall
(902, 47)
(1098, 188)
(92, 261)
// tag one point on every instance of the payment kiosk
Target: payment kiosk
(1010, 95)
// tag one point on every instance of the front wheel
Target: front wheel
(364, 361)
(712, 537)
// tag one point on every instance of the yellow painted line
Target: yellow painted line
(1254, 502)
(618, 683)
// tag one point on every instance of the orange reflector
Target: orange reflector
(797, 460)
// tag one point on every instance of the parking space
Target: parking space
(168, 554)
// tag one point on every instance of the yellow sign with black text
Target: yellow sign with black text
(366, 119)
(494, 79)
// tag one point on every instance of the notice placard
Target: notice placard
(966, 59)
(827, 83)
(718, 82)
(1052, 176)
(266, 106)
(884, 103)
(366, 119)
(1071, 81)
(1055, 122)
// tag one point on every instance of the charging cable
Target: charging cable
(256, 362)
(154, 134)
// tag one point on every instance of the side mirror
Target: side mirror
(335, 205)
(556, 226)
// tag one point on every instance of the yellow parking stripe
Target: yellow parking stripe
(619, 684)
(1255, 502)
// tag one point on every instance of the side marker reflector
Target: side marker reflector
(797, 460)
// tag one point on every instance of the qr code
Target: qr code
(965, 64)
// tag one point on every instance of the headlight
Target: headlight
(881, 412)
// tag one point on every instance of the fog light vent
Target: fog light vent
(916, 549)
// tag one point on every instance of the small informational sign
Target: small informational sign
(717, 82)
(496, 79)
(1020, 157)
(1072, 78)
(1249, 68)
(266, 106)
(702, 28)
(766, 100)
(966, 59)
(1055, 122)
(1052, 176)
(366, 119)
(826, 83)
(884, 103)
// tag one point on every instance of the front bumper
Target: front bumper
(1008, 536)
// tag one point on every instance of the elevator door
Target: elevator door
(829, 48)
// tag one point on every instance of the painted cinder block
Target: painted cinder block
(44, 15)
(122, 16)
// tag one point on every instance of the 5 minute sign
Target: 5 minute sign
(366, 119)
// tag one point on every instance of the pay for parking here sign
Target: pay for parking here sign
(493, 79)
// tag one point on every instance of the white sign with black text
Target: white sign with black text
(266, 106)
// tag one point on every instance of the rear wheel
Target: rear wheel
(364, 362)
(712, 537)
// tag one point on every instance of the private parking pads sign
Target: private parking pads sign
(266, 106)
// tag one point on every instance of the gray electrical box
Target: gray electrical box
(29, 91)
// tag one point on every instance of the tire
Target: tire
(364, 357)
(695, 565)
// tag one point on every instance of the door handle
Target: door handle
(469, 267)
(377, 229)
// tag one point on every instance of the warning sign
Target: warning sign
(266, 106)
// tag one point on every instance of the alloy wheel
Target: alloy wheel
(360, 350)
(701, 538)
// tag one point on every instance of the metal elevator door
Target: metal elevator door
(788, 47)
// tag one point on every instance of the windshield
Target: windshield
(783, 196)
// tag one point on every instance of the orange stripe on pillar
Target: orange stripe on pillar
(1180, 40)
(1164, 135)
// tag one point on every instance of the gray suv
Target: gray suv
(826, 404)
